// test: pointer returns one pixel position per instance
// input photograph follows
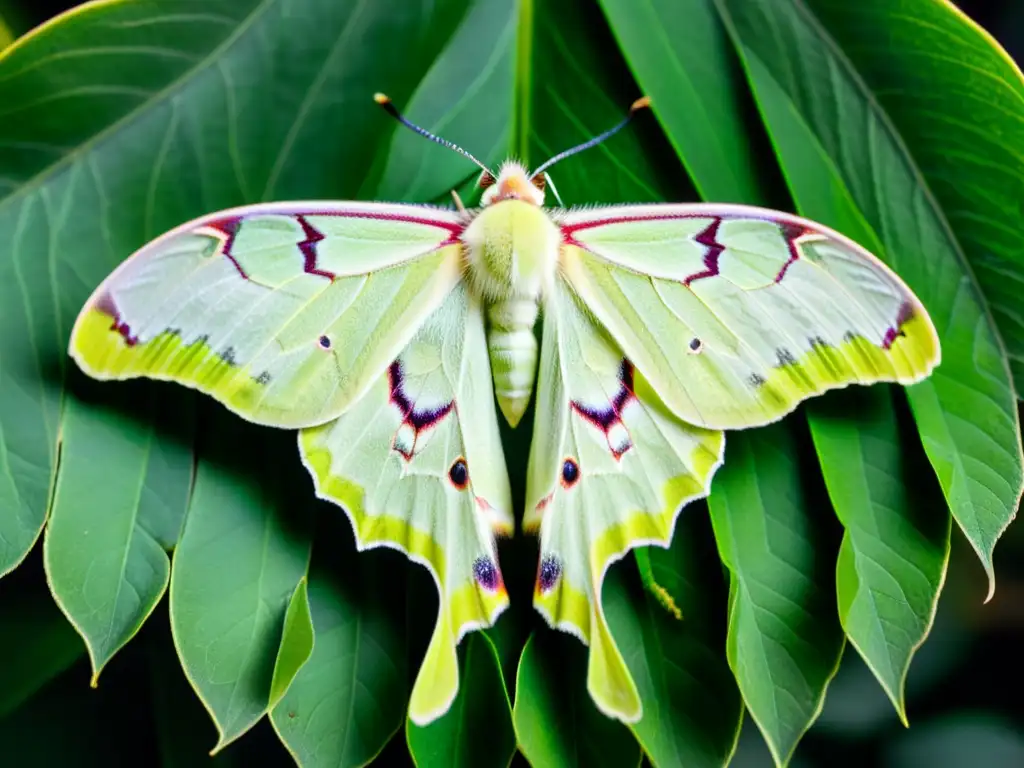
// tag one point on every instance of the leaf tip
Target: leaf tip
(901, 713)
(991, 585)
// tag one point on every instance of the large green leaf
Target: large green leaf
(847, 167)
(881, 562)
(154, 113)
(477, 730)
(350, 696)
(108, 531)
(957, 100)
(682, 58)
(466, 97)
(892, 561)
(775, 538)
(557, 724)
(243, 550)
(580, 87)
(692, 707)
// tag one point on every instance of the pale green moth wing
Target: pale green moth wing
(417, 464)
(735, 314)
(284, 312)
(610, 469)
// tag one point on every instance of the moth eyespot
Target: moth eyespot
(324, 342)
(550, 572)
(696, 346)
(459, 474)
(540, 181)
(570, 473)
(486, 180)
(486, 573)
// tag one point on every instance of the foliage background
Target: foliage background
(143, 710)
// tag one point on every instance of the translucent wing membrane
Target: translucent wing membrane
(736, 314)
(610, 469)
(417, 464)
(284, 312)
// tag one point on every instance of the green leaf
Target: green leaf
(774, 536)
(36, 642)
(682, 58)
(154, 113)
(864, 182)
(893, 558)
(350, 697)
(580, 87)
(692, 706)
(184, 730)
(6, 38)
(555, 719)
(477, 730)
(296, 643)
(957, 100)
(244, 548)
(119, 504)
(466, 97)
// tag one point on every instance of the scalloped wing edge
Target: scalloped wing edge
(439, 669)
(605, 662)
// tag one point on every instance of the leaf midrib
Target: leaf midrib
(157, 97)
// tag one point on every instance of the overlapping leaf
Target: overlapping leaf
(243, 551)
(476, 731)
(957, 101)
(557, 724)
(784, 640)
(887, 594)
(350, 695)
(692, 707)
(107, 540)
(863, 181)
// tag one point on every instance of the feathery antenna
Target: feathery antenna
(390, 108)
(641, 103)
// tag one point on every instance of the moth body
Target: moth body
(512, 254)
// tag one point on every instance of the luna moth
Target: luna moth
(390, 335)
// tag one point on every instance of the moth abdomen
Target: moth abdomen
(512, 348)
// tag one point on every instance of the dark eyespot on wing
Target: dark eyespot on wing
(570, 472)
(696, 345)
(325, 342)
(486, 573)
(263, 378)
(459, 473)
(550, 572)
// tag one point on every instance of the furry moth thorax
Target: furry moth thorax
(511, 248)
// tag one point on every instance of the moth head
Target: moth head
(513, 183)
